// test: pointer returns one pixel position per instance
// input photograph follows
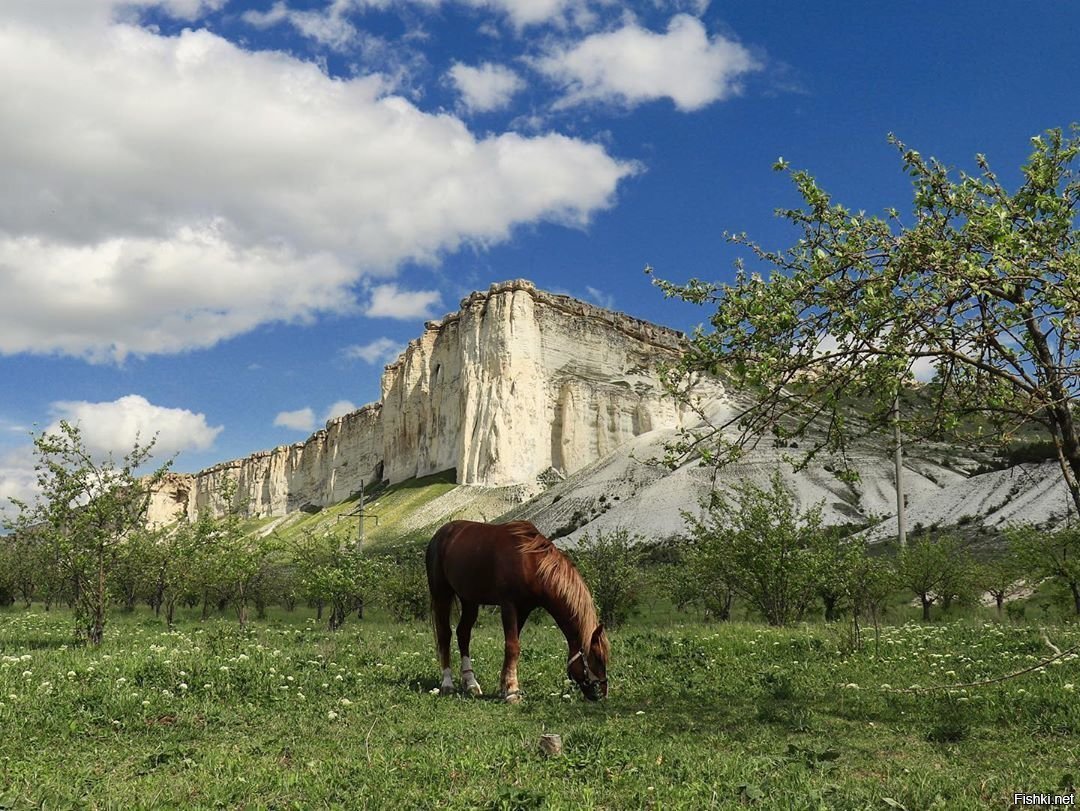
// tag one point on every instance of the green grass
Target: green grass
(393, 505)
(288, 715)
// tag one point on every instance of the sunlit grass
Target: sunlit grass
(288, 715)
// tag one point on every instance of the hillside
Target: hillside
(528, 405)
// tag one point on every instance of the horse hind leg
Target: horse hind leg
(512, 651)
(440, 611)
(464, 636)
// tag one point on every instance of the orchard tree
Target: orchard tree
(1049, 554)
(979, 283)
(334, 572)
(763, 548)
(84, 513)
(610, 562)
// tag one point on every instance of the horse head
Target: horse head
(588, 667)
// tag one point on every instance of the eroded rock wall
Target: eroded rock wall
(515, 384)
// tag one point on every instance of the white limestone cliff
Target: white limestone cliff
(516, 384)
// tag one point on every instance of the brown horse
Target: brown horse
(516, 568)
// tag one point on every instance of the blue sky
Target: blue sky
(220, 218)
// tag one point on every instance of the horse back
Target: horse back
(485, 563)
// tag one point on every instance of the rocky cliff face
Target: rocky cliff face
(517, 384)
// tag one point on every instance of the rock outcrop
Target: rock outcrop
(518, 384)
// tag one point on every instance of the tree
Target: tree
(336, 573)
(610, 564)
(930, 568)
(85, 510)
(1050, 554)
(180, 562)
(981, 283)
(1001, 576)
(243, 562)
(763, 548)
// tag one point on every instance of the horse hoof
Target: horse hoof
(475, 691)
(513, 698)
(446, 691)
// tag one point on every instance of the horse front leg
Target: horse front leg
(508, 686)
(464, 635)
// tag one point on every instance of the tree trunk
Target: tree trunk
(831, 614)
(1075, 588)
(1000, 600)
(1059, 412)
(926, 603)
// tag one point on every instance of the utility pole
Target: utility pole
(901, 520)
(361, 515)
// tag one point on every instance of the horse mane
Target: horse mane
(557, 573)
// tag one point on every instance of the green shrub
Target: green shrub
(610, 564)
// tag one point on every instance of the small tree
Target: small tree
(335, 573)
(1050, 554)
(870, 582)
(611, 565)
(1001, 577)
(764, 548)
(700, 579)
(85, 510)
(402, 584)
(930, 568)
(181, 560)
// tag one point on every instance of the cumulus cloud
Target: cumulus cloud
(18, 480)
(114, 427)
(387, 301)
(486, 87)
(162, 193)
(381, 350)
(303, 419)
(632, 65)
(339, 409)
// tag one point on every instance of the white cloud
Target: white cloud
(328, 27)
(524, 13)
(302, 419)
(389, 302)
(114, 427)
(486, 87)
(381, 350)
(162, 193)
(633, 65)
(18, 480)
(605, 300)
(339, 409)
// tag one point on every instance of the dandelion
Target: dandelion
(433, 691)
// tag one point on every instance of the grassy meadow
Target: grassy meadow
(286, 714)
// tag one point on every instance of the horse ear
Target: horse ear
(597, 635)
